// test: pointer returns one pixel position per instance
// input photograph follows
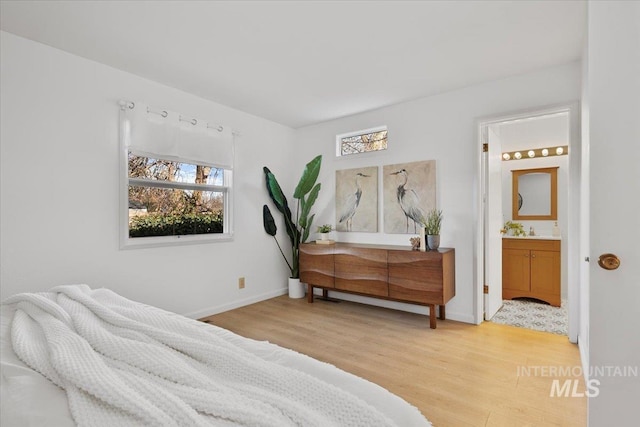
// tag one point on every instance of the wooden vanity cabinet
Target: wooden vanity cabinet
(531, 268)
(389, 272)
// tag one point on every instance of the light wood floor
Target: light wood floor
(457, 374)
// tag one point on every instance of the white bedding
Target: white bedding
(205, 374)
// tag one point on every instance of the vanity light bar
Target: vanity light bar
(562, 150)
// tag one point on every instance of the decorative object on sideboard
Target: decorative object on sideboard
(297, 226)
(415, 243)
(423, 239)
(432, 228)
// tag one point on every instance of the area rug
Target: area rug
(533, 315)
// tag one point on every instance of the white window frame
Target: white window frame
(340, 137)
(127, 242)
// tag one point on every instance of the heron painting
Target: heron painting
(409, 191)
(357, 199)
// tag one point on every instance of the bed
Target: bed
(81, 356)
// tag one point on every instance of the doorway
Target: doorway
(525, 132)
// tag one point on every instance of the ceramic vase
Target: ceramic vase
(433, 241)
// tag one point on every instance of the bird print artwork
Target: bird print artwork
(409, 191)
(357, 199)
(351, 203)
(409, 202)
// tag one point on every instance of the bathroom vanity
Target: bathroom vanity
(531, 268)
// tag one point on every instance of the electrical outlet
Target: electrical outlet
(241, 283)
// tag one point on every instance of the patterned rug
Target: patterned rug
(533, 315)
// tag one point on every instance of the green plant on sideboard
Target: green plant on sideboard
(325, 228)
(297, 226)
(434, 222)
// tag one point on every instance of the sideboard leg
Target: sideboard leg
(432, 316)
(442, 313)
(309, 293)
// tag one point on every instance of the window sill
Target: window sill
(165, 241)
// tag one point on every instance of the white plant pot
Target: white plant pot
(296, 289)
(324, 236)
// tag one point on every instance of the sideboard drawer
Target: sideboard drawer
(362, 270)
(317, 265)
(416, 259)
(422, 285)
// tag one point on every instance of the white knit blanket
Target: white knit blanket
(125, 363)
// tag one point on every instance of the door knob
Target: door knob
(609, 261)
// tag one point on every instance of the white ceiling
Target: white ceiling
(304, 62)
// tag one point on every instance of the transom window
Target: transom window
(363, 141)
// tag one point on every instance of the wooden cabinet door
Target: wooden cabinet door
(362, 270)
(317, 265)
(516, 269)
(416, 276)
(545, 272)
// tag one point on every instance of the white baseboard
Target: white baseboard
(235, 304)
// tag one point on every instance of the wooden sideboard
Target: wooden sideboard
(531, 268)
(395, 273)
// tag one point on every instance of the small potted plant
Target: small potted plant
(513, 229)
(432, 228)
(324, 231)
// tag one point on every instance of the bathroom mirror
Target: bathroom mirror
(535, 194)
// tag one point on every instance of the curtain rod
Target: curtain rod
(131, 105)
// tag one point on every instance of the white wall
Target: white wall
(539, 133)
(444, 128)
(59, 116)
(59, 213)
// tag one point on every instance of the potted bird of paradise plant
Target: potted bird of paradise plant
(297, 226)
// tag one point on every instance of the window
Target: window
(363, 141)
(177, 180)
(168, 198)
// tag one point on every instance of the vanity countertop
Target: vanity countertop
(533, 237)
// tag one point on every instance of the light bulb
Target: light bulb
(545, 152)
(559, 151)
(531, 153)
(517, 155)
(506, 156)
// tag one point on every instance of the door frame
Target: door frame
(573, 236)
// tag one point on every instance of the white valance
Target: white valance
(158, 133)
